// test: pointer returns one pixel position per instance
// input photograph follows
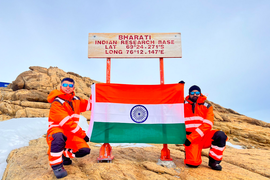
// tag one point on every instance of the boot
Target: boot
(214, 164)
(59, 171)
(66, 161)
(192, 166)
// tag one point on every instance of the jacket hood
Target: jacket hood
(200, 99)
(61, 94)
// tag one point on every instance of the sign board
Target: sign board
(134, 45)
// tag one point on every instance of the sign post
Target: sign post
(134, 45)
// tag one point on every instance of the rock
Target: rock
(217, 116)
(168, 164)
(4, 117)
(7, 108)
(20, 114)
(39, 69)
(34, 112)
(5, 94)
(27, 95)
(38, 105)
(87, 115)
(235, 139)
(31, 89)
(31, 162)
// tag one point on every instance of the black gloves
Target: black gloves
(86, 138)
(187, 142)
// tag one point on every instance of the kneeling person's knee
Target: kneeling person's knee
(82, 152)
(219, 138)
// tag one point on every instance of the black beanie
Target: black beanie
(194, 87)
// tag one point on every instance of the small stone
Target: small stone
(168, 164)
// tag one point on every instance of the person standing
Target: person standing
(65, 137)
(199, 119)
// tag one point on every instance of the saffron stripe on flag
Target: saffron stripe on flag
(140, 94)
(138, 133)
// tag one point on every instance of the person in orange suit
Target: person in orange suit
(199, 119)
(65, 137)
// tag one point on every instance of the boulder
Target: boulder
(38, 105)
(4, 117)
(31, 89)
(34, 112)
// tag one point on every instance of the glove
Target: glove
(187, 142)
(182, 82)
(86, 138)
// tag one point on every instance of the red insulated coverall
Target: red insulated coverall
(64, 118)
(198, 126)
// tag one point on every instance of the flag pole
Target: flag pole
(165, 152)
(105, 152)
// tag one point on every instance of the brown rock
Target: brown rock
(38, 105)
(7, 108)
(31, 89)
(5, 94)
(27, 95)
(39, 69)
(20, 114)
(31, 162)
(4, 117)
(87, 115)
(33, 112)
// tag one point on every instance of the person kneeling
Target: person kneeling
(199, 119)
(65, 137)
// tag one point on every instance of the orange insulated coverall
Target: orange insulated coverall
(199, 119)
(64, 135)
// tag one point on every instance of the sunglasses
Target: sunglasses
(66, 85)
(197, 93)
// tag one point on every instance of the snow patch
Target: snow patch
(234, 146)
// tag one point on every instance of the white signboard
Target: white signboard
(134, 45)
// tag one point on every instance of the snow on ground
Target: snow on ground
(234, 146)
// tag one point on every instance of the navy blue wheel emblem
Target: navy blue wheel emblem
(139, 114)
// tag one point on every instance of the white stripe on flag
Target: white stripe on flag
(90, 128)
(157, 113)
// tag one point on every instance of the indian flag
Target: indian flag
(123, 113)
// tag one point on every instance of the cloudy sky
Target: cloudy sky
(225, 44)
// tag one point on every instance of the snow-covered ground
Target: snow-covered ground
(16, 133)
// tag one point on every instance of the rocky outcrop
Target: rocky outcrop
(27, 95)
(245, 131)
(31, 162)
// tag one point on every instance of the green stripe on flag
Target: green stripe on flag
(138, 133)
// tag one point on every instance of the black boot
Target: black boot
(59, 171)
(192, 166)
(66, 161)
(214, 164)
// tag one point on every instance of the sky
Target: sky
(26, 129)
(225, 44)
